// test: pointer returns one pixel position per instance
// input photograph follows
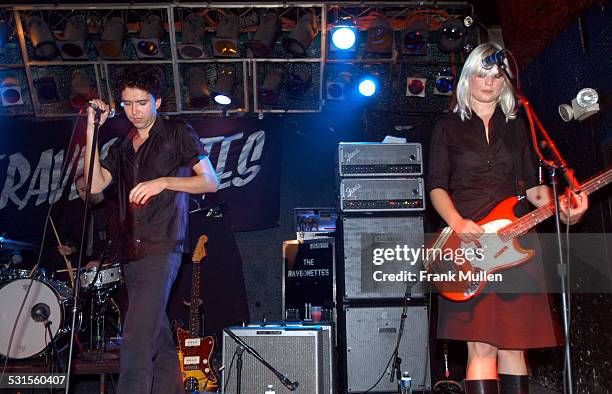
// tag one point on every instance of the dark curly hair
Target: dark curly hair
(149, 78)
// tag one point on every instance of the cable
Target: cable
(40, 251)
(229, 372)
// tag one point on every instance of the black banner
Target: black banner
(244, 152)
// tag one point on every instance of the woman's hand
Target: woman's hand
(573, 212)
(467, 230)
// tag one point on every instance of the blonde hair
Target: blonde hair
(473, 66)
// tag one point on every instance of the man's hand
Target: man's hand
(65, 250)
(91, 113)
(142, 192)
(467, 230)
(572, 213)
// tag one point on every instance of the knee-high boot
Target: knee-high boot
(513, 384)
(488, 386)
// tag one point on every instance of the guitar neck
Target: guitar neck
(194, 318)
(537, 216)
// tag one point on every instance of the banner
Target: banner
(244, 152)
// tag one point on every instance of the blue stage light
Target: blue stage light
(367, 87)
(223, 99)
(343, 37)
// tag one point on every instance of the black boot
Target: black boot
(513, 384)
(488, 386)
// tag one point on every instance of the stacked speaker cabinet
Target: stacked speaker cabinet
(381, 197)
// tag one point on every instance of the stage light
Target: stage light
(453, 35)
(343, 36)
(46, 89)
(585, 104)
(110, 47)
(10, 92)
(338, 87)
(72, 44)
(192, 37)
(270, 88)
(443, 85)
(415, 87)
(147, 44)
(380, 36)
(43, 42)
(80, 89)
(224, 88)
(414, 39)
(268, 31)
(301, 37)
(368, 86)
(199, 94)
(297, 83)
(225, 43)
(5, 35)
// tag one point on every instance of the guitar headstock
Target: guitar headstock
(200, 250)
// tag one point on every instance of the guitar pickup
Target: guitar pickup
(192, 342)
(191, 360)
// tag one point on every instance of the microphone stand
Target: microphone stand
(94, 148)
(558, 164)
(58, 361)
(283, 379)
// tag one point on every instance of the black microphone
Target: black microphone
(494, 59)
(111, 111)
(40, 312)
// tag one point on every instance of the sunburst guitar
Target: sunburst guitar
(195, 352)
(496, 250)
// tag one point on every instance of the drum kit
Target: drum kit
(36, 308)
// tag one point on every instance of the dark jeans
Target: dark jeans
(148, 357)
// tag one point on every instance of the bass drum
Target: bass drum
(30, 336)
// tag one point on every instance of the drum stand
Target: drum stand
(100, 298)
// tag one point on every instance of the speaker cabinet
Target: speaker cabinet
(364, 273)
(296, 352)
(371, 335)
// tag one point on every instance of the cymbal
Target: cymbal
(10, 244)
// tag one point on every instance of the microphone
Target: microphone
(111, 111)
(40, 312)
(494, 59)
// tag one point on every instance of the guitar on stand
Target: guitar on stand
(195, 352)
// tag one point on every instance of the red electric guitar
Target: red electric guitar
(496, 250)
(195, 352)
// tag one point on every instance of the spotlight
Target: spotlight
(415, 87)
(10, 92)
(224, 88)
(46, 89)
(380, 36)
(301, 37)
(41, 38)
(338, 87)
(80, 89)
(443, 85)
(368, 86)
(414, 39)
(5, 35)
(453, 34)
(265, 38)
(225, 43)
(110, 47)
(343, 36)
(270, 88)
(192, 38)
(72, 44)
(298, 83)
(147, 44)
(584, 105)
(199, 95)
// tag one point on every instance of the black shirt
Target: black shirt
(477, 174)
(159, 226)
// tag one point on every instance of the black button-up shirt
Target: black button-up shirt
(159, 226)
(479, 174)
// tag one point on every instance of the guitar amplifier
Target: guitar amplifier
(371, 336)
(359, 159)
(295, 352)
(382, 194)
